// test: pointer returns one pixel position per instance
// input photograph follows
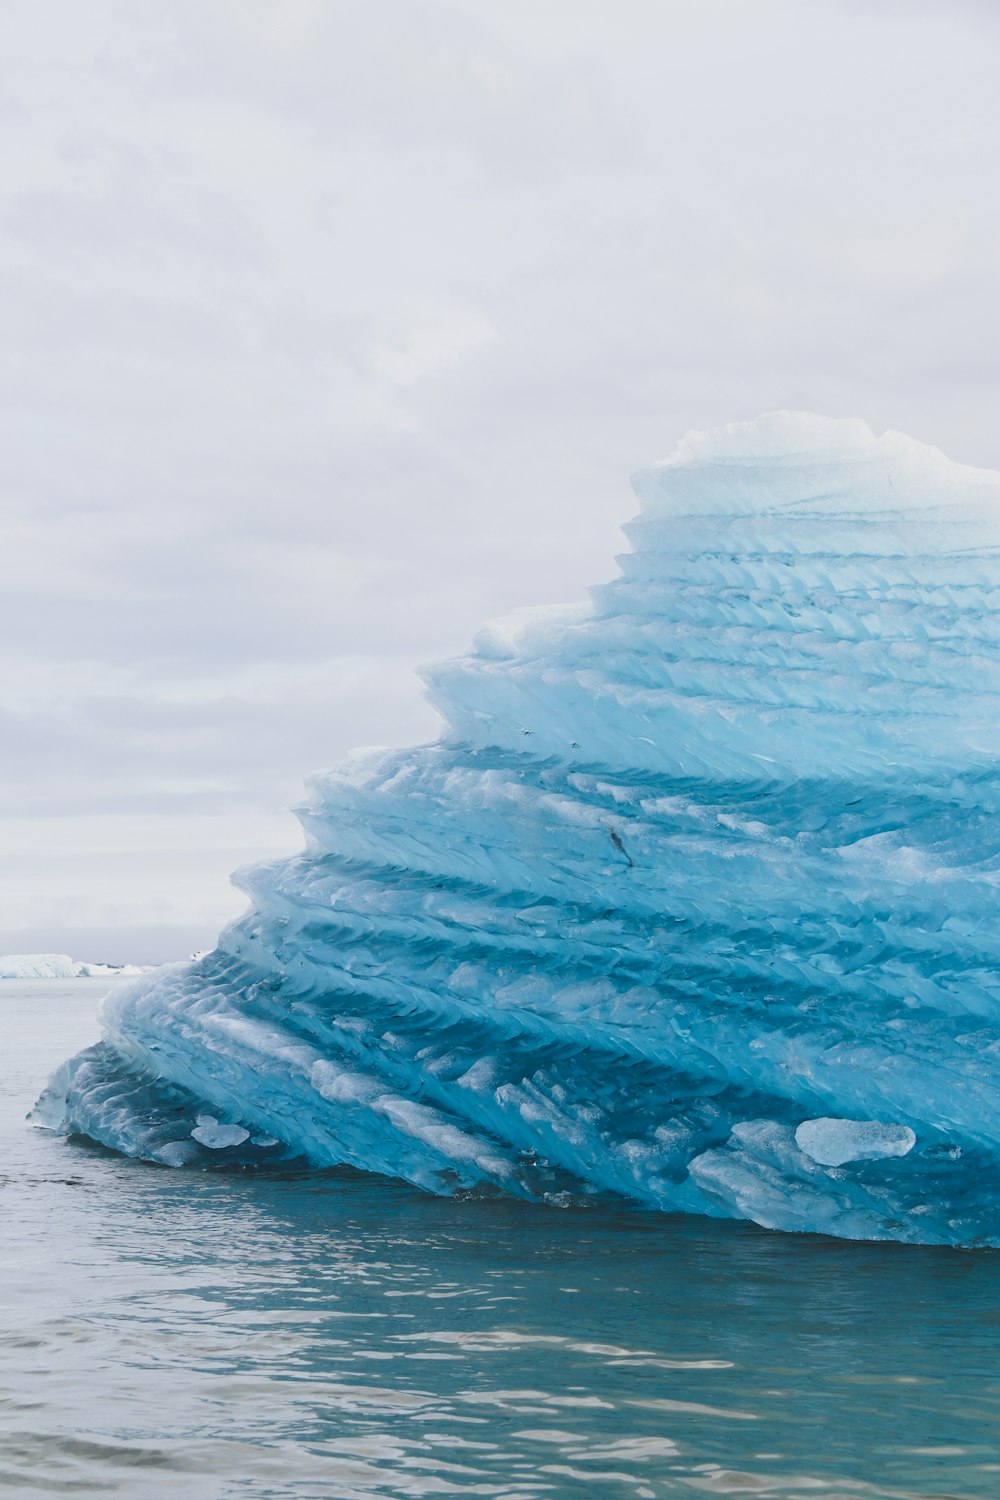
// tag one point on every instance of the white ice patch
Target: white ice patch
(61, 966)
(832, 1142)
(177, 1154)
(340, 1085)
(479, 1078)
(37, 966)
(208, 1132)
(430, 1127)
(526, 631)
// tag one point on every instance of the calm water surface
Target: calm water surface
(203, 1335)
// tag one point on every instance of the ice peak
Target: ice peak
(786, 435)
(795, 461)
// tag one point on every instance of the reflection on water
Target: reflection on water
(204, 1335)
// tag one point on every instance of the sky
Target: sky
(332, 328)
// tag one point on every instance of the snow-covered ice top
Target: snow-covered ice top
(794, 460)
(694, 903)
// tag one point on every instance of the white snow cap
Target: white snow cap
(794, 461)
(776, 434)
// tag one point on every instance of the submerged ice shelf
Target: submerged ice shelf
(694, 903)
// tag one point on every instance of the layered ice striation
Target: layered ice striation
(695, 904)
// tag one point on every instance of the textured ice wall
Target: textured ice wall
(695, 903)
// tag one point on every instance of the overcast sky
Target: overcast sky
(332, 327)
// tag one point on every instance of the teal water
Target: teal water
(205, 1335)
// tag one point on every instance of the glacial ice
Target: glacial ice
(208, 1132)
(693, 905)
(833, 1142)
(37, 966)
(60, 966)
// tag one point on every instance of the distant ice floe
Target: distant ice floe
(694, 905)
(61, 966)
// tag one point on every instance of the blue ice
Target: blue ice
(694, 904)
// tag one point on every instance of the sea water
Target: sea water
(216, 1334)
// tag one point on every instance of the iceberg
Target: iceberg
(37, 966)
(61, 966)
(693, 905)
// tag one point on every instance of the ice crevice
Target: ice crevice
(693, 905)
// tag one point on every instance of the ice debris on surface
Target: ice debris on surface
(834, 1142)
(208, 1132)
(693, 905)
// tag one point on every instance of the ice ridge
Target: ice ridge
(694, 904)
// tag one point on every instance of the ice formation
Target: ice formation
(60, 966)
(37, 966)
(694, 904)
